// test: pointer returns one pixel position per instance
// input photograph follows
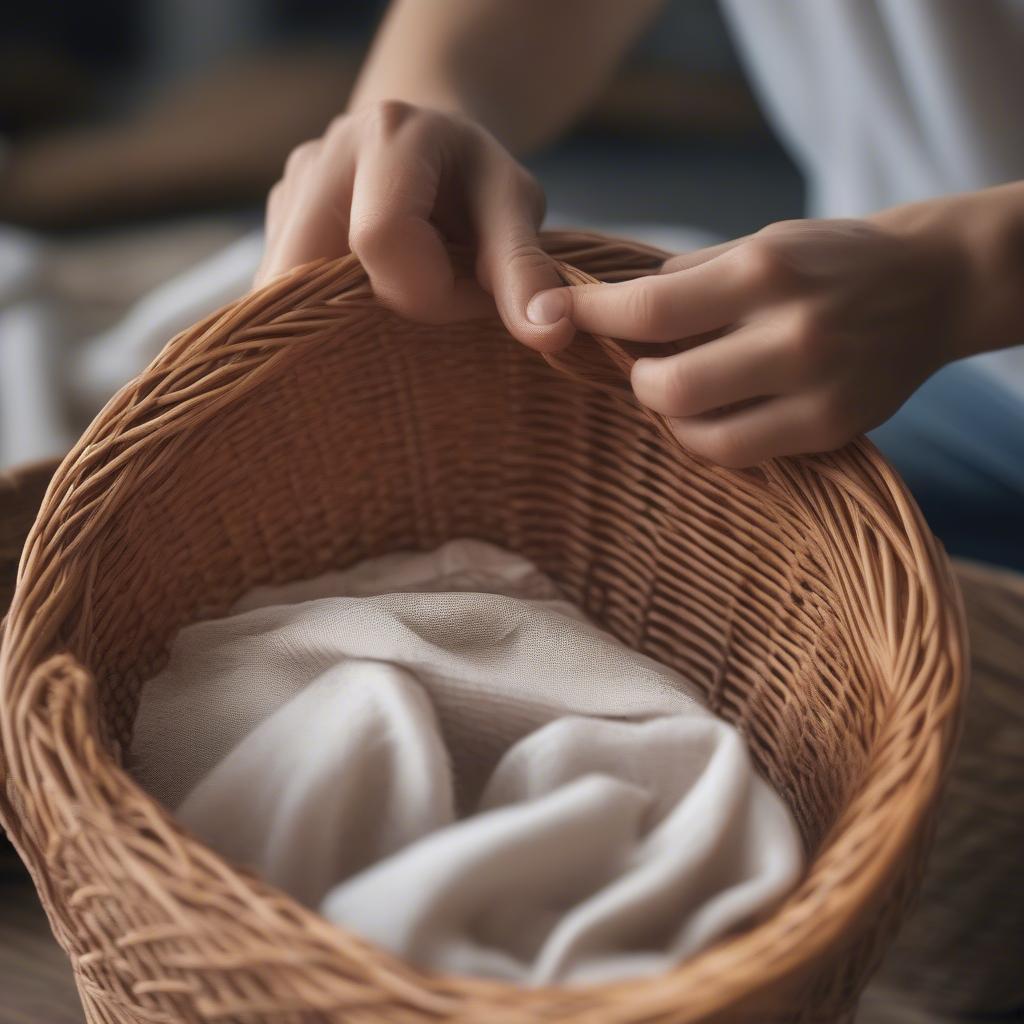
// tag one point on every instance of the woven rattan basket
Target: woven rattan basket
(962, 950)
(306, 427)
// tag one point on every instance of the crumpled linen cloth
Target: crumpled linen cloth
(444, 756)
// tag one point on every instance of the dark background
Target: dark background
(119, 110)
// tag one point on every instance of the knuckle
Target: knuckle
(812, 348)
(723, 444)
(806, 338)
(532, 191)
(761, 264)
(525, 181)
(670, 390)
(644, 308)
(781, 228)
(274, 198)
(369, 235)
(338, 126)
(525, 255)
(680, 261)
(387, 116)
(301, 156)
(418, 308)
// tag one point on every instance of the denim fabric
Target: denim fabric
(959, 444)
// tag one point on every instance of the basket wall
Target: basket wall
(306, 428)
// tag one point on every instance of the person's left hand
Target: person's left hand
(820, 330)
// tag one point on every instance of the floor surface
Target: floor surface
(36, 986)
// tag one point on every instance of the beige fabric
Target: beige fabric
(452, 762)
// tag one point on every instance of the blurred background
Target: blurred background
(138, 139)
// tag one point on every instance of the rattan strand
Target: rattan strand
(305, 427)
(962, 950)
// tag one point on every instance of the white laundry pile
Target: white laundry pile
(445, 757)
(80, 317)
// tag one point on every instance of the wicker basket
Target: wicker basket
(962, 950)
(305, 427)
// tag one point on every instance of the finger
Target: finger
(746, 364)
(393, 196)
(511, 264)
(694, 258)
(276, 200)
(790, 425)
(300, 168)
(656, 308)
(310, 220)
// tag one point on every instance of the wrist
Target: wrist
(975, 244)
(994, 239)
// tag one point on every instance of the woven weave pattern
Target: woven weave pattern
(963, 948)
(306, 427)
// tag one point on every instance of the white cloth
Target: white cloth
(117, 355)
(884, 102)
(32, 426)
(444, 756)
(63, 349)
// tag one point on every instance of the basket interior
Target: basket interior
(401, 437)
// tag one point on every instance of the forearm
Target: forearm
(984, 233)
(522, 68)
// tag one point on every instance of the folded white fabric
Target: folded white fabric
(444, 756)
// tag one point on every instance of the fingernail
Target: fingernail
(547, 308)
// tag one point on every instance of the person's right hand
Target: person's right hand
(393, 183)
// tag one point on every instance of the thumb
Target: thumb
(552, 306)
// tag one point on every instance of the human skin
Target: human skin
(795, 339)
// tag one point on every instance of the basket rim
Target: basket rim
(44, 692)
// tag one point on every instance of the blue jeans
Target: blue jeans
(959, 444)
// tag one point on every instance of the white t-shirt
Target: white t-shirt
(883, 102)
